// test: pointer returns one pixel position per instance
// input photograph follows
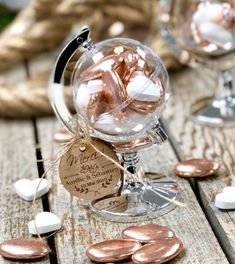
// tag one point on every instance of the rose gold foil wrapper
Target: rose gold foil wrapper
(131, 62)
(160, 251)
(95, 71)
(24, 249)
(114, 91)
(112, 250)
(139, 143)
(147, 233)
(196, 168)
(97, 105)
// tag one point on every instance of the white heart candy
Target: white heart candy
(226, 199)
(133, 121)
(143, 89)
(84, 92)
(45, 222)
(216, 34)
(208, 12)
(229, 189)
(26, 188)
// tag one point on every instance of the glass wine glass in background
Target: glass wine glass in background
(202, 34)
(120, 88)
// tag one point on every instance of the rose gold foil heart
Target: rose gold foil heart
(129, 64)
(24, 249)
(97, 105)
(112, 250)
(95, 70)
(196, 168)
(147, 232)
(160, 251)
(114, 91)
(139, 143)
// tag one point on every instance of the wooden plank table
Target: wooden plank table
(207, 233)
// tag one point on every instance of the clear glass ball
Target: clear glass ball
(120, 88)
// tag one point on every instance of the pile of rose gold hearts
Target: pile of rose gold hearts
(144, 244)
(120, 85)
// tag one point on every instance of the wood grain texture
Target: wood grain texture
(18, 160)
(194, 140)
(82, 227)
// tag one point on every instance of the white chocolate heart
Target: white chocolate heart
(226, 199)
(142, 88)
(229, 189)
(44, 222)
(26, 188)
(132, 121)
(208, 12)
(84, 92)
(216, 34)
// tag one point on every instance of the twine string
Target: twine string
(82, 136)
(69, 145)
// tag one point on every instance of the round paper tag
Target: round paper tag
(86, 173)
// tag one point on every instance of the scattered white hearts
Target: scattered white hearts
(143, 89)
(44, 222)
(226, 199)
(26, 189)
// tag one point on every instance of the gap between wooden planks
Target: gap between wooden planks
(18, 160)
(192, 140)
(82, 227)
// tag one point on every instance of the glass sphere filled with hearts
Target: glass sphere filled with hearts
(120, 87)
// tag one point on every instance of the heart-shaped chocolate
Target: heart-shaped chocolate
(160, 251)
(27, 189)
(142, 88)
(146, 233)
(112, 250)
(226, 199)
(44, 222)
(24, 249)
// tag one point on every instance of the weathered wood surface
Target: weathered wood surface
(82, 228)
(194, 140)
(18, 160)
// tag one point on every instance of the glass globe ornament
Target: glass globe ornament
(201, 33)
(120, 89)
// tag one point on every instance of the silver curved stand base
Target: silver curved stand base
(215, 112)
(140, 203)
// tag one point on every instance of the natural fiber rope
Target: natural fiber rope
(44, 25)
